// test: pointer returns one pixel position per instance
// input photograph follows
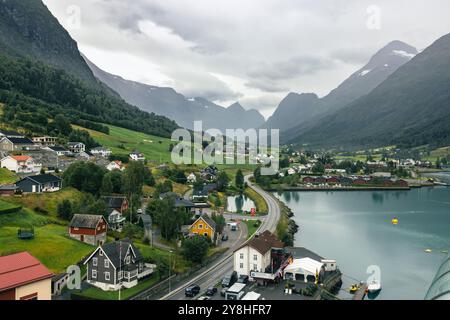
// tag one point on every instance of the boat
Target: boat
(354, 288)
(374, 286)
(395, 221)
(428, 250)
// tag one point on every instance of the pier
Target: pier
(361, 293)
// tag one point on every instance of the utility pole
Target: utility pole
(120, 268)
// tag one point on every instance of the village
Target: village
(136, 225)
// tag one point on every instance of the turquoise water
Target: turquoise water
(239, 203)
(355, 229)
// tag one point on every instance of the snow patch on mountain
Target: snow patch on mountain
(403, 53)
(363, 73)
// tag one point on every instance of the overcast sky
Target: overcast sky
(254, 51)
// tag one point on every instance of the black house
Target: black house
(40, 183)
(116, 265)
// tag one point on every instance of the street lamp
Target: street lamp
(170, 267)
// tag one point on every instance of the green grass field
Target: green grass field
(51, 244)
(155, 149)
(252, 226)
(45, 201)
(7, 206)
(7, 176)
(96, 293)
(260, 203)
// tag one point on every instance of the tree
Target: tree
(62, 125)
(64, 210)
(239, 179)
(133, 181)
(318, 168)
(222, 181)
(167, 217)
(86, 177)
(220, 222)
(195, 249)
(149, 180)
(107, 185)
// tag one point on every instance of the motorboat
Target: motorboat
(374, 286)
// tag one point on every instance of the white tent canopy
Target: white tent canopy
(300, 269)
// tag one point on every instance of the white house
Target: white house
(76, 147)
(60, 151)
(256, 255)
(137, 156)
(21, 164)
(115, 165)
(192, 178)
(101, 151)
(291, 171)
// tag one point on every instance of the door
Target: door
(33, 188)
(82, 238)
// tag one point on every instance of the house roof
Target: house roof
(20, 140)
(57, 148)
(21, 269)
(89, 221)
(9, 187)
(179, 201)
(42, 178)
(21, 158)
(264, 242)
(146, 219)
(74, 143)
(207, 220)
(8, 133)
(114, 201)
(116, 251)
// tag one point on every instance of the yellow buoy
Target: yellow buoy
(395, 221)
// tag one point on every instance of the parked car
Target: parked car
(204, 298)
(224, 237)
(211, 291)
(228, 281)
(139, 211)
(233, 227)
(192, 291)
(243, 279)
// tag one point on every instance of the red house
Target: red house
(23, 277)
(119, 203)
(333, 180)
(309, 180)
(359, 182)
(88, 228)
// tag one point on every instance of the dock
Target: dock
(361, 293)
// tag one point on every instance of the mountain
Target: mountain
(167, 102)
(296, 112)
(28, 29)
(410, 108)
(43, 76)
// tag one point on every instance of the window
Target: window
(106, 263)
(255, 257)
(200, 226)
(241, 256)
(107, 276)
(94, 261)
(241, 265)
(120, 276)
(128, 260)
(255, 267)
(206, 234)
(94, 274)
(206, 226)
(101, 253)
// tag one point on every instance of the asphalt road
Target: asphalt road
(225, 266)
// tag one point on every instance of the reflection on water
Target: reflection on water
(355, 228)
(239, 203)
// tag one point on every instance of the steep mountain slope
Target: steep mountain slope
(43, 75)
(169, 103)
(28, 29)
(295, 115)
(410, 108)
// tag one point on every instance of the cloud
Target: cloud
(253, 50)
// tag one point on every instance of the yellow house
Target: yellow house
(204, 226)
